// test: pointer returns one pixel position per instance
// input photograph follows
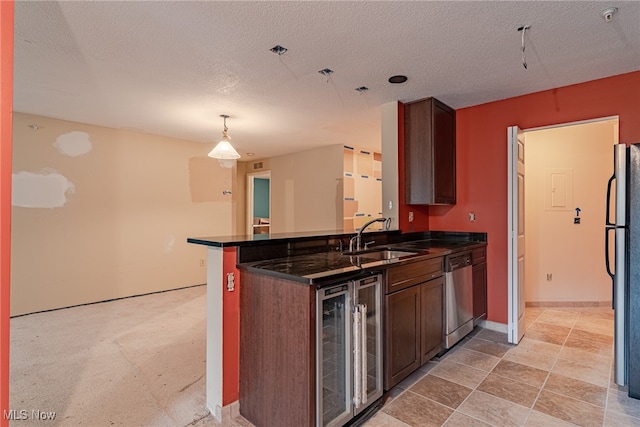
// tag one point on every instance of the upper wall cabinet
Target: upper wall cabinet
(429, 153)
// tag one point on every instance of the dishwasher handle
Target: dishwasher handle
(459, 262)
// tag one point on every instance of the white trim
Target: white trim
(389, 142)
(579, 122)
(512, 207)
(213, 384)
(228, 412)
(250, 188)
(494, 326)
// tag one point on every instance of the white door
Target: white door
(515, 169)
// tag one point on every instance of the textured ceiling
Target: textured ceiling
(171, 68)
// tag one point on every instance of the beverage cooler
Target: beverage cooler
(348, 349)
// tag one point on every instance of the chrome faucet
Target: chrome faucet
(358, 237)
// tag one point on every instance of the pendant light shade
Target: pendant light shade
(224, 150)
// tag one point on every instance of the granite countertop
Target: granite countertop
(323, 266)
(265, 239)
(313, 257)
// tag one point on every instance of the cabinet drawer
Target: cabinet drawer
(478, 255)
(412, 273)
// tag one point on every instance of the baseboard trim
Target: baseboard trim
(225, 414)
(109, 300)
(568, 304)
(494, 326)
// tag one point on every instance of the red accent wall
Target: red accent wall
(230, 330)
(6, 104)
(481, 133)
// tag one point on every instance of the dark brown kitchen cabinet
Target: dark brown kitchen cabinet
(429, 153)
(432, 318)
(479, 274)
(402, 349)
(277, 351)
(414, 317)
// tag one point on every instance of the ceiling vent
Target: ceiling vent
(257, 165)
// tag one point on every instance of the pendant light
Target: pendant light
(224, 150)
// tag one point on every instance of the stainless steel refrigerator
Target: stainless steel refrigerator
(624, 226)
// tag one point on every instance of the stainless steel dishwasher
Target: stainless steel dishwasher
(459, 298)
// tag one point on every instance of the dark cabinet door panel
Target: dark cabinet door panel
(479, 273)
(429, 153)
(444, 155)
(402, 349)
(432, 322)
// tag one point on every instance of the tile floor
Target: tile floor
(559, 375)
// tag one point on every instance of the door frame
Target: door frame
(512, 165)
(250, 190)
(515, 293)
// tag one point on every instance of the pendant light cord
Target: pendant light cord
(524, 30)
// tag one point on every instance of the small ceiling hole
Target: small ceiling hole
(279, 50)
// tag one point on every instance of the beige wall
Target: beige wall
(306, 190)
(577, 161)
(241, 198)
(362, 189)
(120, 228)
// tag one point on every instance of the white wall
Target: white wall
(389, 135)
(573, 254)
(114, 220)
(306, 190)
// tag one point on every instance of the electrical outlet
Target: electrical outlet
(410, 216)
(231, 282)
(549, 277)
(201, 262)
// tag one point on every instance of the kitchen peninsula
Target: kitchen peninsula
(270, 353)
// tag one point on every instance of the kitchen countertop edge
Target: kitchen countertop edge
(332, 275)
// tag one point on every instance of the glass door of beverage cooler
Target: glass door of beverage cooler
(333, 350)
(367, 332)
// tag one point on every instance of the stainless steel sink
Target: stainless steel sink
(380, 254)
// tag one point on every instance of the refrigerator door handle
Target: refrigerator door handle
(608, 210)
(607, 262)
(607, 233)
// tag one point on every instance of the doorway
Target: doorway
(259, 203)
(567, 168)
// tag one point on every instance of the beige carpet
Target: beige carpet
(133, 362)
